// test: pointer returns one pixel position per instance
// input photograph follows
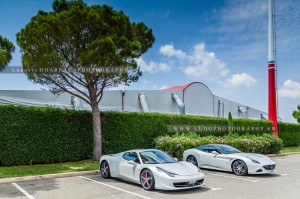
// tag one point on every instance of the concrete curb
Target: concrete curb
(282, 154)
(47, 176)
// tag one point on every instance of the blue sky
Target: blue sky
(222, 43)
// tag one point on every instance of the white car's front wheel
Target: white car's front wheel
(192, 159)
(104, 169)
(240, 168)
(147, 180)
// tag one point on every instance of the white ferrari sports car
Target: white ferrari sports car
(227, 158)
(151, 168)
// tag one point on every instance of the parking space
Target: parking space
(285, 183)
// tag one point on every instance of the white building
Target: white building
(191, 99)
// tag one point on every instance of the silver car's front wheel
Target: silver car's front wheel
(147, 180)
(104, 169)
(192, 159)
(240, 168)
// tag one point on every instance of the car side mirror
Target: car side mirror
(131, 162)
(214, 152)
(176, 159)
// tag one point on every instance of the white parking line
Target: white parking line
(23, 191)
(281, 174)
(226, 176)
(115, 187)
(212, 188)
(288, 169)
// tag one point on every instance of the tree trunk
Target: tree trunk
(97, 147)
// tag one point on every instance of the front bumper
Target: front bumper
(165, 182)
(262, 169)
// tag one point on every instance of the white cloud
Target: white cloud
(201, 62)
(163, 87)
(152, 67)
(240, 81)
(244, 10)
(169, 51)
(290, 90)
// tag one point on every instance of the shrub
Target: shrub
(296, 114)
(124, 131)
(175, 145)
(289, 133)
(32, 135)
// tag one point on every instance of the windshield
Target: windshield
(228, 149)
(156, 157)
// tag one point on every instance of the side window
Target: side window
(207, 149)
(126, 156)
(131, 156)
(204, 149)
(210, 149)
(201, 149)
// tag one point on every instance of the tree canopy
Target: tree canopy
(296, 114)
(6, 49)
(76, 35)
(57, 45)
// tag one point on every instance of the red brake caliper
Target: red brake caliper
(107, 170)
(145, 177)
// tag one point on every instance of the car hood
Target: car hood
(180, 168)
(265, 160)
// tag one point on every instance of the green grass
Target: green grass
(19, 171)
(290, 149)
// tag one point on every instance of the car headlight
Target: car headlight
(254, 161)
(166, 172)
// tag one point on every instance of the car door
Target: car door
(215, 158)
(129, 166)
(204, 156)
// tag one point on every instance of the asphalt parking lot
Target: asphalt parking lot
(285, 183)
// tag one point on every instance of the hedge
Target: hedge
(289, 133)
(178, 143)
(32, 135)
(124, 131)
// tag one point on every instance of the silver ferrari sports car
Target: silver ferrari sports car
(227, 158)
(151, 168)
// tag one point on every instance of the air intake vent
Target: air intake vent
(269, 167)
(188, 184)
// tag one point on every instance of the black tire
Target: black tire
(105, 170)
(147, 180)
(239, 168)
(192, 159)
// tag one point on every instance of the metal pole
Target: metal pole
(272, 109)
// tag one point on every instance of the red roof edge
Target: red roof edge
(183, 87)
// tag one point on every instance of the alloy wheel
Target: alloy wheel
(239, 168)
(193, 160)
(105, 172)
(147, 180)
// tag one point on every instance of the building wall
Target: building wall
(198, 100)
(158, 101)
(233, 107)
(197, 97)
